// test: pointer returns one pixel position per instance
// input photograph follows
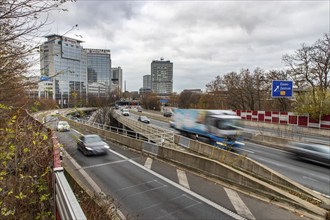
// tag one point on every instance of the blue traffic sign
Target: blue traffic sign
(45, 78)
(282, 89)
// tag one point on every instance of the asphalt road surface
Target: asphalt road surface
(146, 188)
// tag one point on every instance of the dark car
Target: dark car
(144, 119)
(168, 114)
(92, 144)
(310, 151)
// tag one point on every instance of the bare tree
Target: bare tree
(236, 97)
(218, 89)
(20, 27)
(25, 172)
(309, 68)
(150, 101)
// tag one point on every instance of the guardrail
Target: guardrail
(66, 204)
(140, 131)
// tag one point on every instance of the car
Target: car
(92, 144)
(139, 109)
(63, 126)
(310, 151)
(75, 119)
(125, 112)
(168, 114)
(144, 119)
(55, 113)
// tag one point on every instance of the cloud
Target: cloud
(203, 39)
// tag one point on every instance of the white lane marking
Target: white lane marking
(270, 148)
(328, 196)
(148, 163)
(141, 184)
(252, 152)
(93, 184)
(76, 131)
(183, 178)
(104, 164)
(238, 204)
(210, 203)
(309, 178)
(188, 191)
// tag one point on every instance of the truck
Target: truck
(220, 128)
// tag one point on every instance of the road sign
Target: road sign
(45, 78)
(282, 89)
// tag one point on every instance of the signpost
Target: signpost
(282, 89)
(45, 78)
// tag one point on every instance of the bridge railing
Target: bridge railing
(141, 131)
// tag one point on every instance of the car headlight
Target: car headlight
(222, 144)
(88, 148)
(106, 146)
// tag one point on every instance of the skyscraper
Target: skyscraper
(98, 71)
(162, 77)
(117, 78)
(64, 61)
(147, 82)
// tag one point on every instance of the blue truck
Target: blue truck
(220, 128)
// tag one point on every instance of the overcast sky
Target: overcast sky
(203, 39)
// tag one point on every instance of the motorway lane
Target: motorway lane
(130, 185)
(296, 134)
(144, 194)
(311, 175)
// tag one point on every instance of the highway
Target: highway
(294, 132)
(311, 175)
(146, 188)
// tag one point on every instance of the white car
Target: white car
(125, 112)
(144, 119)
(63, 126)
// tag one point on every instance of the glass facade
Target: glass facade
(117, 78)
(64, 60)
(99, 68)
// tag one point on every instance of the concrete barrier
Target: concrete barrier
(226, 166)
(253, 168)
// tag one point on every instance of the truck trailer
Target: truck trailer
(220, 128)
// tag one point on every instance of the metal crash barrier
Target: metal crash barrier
(66, 202)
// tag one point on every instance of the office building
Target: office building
(146, 82)
(162, 77)
(98, 72)
(117, 78)
(64, 61)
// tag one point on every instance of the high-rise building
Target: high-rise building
(63, 60)
(117, 78)
(162, 77)
(147, 82)
(98, 71)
